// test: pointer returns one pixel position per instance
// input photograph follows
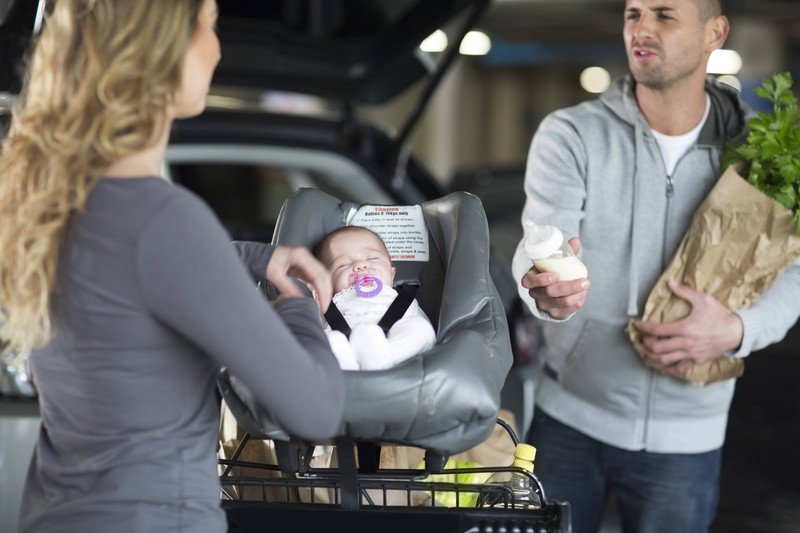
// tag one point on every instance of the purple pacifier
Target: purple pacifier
(366, 283)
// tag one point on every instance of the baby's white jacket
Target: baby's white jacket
(368, 348)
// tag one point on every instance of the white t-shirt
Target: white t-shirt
(674, 147)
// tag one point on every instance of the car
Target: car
(323, 62)
(285, 103)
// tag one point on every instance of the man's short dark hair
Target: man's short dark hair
(709, 8)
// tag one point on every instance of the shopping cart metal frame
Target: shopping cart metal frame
(387, 500)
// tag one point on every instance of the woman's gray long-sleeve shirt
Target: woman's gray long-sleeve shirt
(151, 301)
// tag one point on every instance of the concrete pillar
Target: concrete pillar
(763, 50)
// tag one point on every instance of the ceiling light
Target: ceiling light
(435, 42)
(475, 43)
(595, 80)
(723, 61)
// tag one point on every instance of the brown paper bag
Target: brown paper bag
(737, 245)
(257, 451)
(496, 450)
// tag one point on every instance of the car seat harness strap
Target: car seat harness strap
(405, 295)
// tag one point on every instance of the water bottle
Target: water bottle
(546, 247)
(520, 484)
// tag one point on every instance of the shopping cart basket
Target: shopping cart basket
(356, 496)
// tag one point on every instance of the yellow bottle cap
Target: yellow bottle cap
(525, 452)
(521, 463)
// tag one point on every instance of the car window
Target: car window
(246, 198)
(247, 185)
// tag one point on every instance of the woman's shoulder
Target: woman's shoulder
(148, 206)
(154, 195)
(141, 192)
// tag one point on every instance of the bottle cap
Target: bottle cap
(525, 452)
(524, 465)
(541, 241)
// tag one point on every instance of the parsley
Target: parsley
(771, 152)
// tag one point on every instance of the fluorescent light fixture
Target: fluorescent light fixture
(475, 43)
(292, 103)
(226, 102)
(435, 42)
(595, 80)
(724, 61)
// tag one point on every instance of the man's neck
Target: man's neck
(672, 111)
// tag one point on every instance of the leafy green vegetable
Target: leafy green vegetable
(464, 498)
(771, 152)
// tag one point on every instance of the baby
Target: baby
(363, 277)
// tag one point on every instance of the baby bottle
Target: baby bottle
(548, 250)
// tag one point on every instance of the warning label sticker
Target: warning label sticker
(402, 228)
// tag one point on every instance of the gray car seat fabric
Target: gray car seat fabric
(447, 399)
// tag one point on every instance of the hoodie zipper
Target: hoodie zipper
(653, 377)
(670, 193)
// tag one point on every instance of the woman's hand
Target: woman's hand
(288, 262)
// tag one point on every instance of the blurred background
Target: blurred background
(546, 54)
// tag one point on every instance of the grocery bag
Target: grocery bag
(737, 245)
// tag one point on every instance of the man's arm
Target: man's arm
(555, 191)
(711, 330)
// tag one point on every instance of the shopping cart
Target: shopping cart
(358, 496)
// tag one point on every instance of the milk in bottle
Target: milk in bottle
(548, 250)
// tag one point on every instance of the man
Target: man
(623, 175)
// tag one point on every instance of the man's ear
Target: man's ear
(717, 29)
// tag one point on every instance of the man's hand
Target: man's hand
(289, 262)
(710, 330)
(557, 299)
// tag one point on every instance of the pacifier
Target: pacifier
(366, 283)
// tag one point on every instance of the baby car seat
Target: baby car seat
(445, 400)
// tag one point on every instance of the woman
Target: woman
(125, 289)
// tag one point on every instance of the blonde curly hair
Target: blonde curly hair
(99, 80)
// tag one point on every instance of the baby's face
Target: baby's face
(354, 252)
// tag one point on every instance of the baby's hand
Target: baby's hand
(371, 347)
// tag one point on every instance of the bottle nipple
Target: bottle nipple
(541, 241)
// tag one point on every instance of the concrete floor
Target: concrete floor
(760, 487)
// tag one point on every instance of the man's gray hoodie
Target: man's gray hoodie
(595, 171)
